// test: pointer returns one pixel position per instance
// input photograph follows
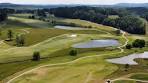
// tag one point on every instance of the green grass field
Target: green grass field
(140, 76)
(89, 66)
(125, 81)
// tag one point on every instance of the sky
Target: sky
(99, 2)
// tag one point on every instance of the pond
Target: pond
(69, 27)
(97, 43)
(129, 59)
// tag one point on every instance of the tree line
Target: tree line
(126, 21)
(140, 11)
(3, 15)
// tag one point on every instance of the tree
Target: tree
(128, 46)
(138, 43)
(126, 21)
(17, 40)
(3, 14)
(127, 67)
(10, 35)
(31, 17)
(36, 56)
(20, 40)
(73, 53)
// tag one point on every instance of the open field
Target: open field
(125, 81)
(56, 65)
(34, 37)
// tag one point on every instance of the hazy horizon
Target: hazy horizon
(89, 2)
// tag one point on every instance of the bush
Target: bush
(73, 53)
(127, 67)
(10, 35)
(138, 43)
(31, 17)
(128, 46)
(20, 40)
(36, 56)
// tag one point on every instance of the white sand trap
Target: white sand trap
(129, 59)
(73, 35)
(96, 44)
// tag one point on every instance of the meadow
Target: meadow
(56, 65)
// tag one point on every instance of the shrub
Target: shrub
(138, 43)
(73, 53)
(36, 56)
(127, 67)
(10, 35)
(128, 46)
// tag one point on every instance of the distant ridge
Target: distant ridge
(25, 6)
(33, 6)
(132, 5)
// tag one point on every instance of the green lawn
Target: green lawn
(41, 37)
(34, 34)
(125, 81)
(87, 23)
(140, 76)
(89, 66)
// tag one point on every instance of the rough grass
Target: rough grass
(33, 34)
(87, 23)
(76, 72)
(140, 76)
(32, 22)
(125, 81)
(21, 15)
(94, 69)
(41, 39)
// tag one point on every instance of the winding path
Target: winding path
(50, 65)
(126, 77)
(122, 78)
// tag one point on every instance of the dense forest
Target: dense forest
(127, 20)
(141, 11)
(3, 15)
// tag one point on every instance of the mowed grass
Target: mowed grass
(95, 69)
(43, 40)
(33, 34)
(55, 44)
(60, 57)
(88, 23)
(46, 47)
(22, 15)
(89, 69)
(125, 81)
(32, 22)
(39, 35)
(140, 76)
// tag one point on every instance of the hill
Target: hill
(33, 6)
(132, 5)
